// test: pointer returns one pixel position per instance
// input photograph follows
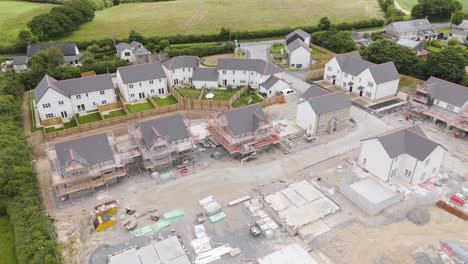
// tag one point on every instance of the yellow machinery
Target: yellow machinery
(110, 208)
(103, 222)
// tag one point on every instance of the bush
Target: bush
(203, 51)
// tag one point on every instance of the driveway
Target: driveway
(260, 49)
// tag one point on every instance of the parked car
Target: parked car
(287, 91)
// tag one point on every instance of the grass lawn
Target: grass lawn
(244, 99)
(407, 87)
(208, 16)
(316, 52)
(189, 93)
(115, 113)
(134, 108)
(31, 112)
(70, 124)
(52, 129)
(88, 118)
(14, 15)
(166, 101)
(7, 241)
(408, 4)
(222, 95)
(276, 48)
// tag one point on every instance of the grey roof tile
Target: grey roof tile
(170, 128)
(182, 62)
(270, 82)
(297, 44)
(329, 102)
(313, 91)
(384, 72)
(409, 140)
(446, 91)
(461, 32)
(245, 119)
(68, 48)
(205, 74)
(41, 88)
(298, 32)
(141, 72)
(411, 25)
(256, 65)
(87, 150)
(20, 60)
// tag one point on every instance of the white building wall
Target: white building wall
(386, 89)
(92, 100)
(306, 118)
(299, 56)
(238, 78)
(53, 98)
(130, 57)
(375, 159)
(430, 167)
(151, 88)
(278, 86)
(445, 105)
(332, 68)
(182, 76)
(205, 84)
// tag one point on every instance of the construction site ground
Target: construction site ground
(355, 237)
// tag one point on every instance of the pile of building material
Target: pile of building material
(263, 221)
(300, 204)
(202, 247)
(163, 222)
(202, 241)
(212, 209)
(291, 254)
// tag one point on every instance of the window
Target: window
(407, 173)
(161, 90)
(244, 72)
(60, 102)
(160, 80)
(224, 72)
(329, 68)
(130, 86)
(152, 91)
(370, 84)
(188, 69)
(78, 96)
(132, 95)
(139, 84)
(102, 92)
(321, 128)
(86, 94)
(345, 75)
(427, 162)
(233, 72)
(368, 94)
(437, 102)
(49, 115)
(173, 71)
(104, 102)
(183, 69)
(127, 54)
(344, 84)
(322, 116)
(151, 82)
(243, 81)
(364, 161)
(46, 105)
(94, 103)
(190, 80)
(450, 107)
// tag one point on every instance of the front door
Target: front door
(334, 81)
(176, 81)
(351, 89)
(224, 82)
(81, 108)
(360, 93)
(64, 114)
(141, 95)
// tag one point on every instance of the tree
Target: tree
(336, 41)
(381, 51)
(324, 24)
(23, 40)
(457, 18)
(452, 42)
(45, 60)
(393, 14)
(135, 36)
(11, 84)
(163, 44)
(435, 9)
(448, 64)
(224, 34)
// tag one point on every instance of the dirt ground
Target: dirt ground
(213, 60)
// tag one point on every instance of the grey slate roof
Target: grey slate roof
(141, 72)
(411, 25)
(20, 60)
(461, 32)
(270, 82)
(74, 86)
(87, 150)
(170, 128)
(353, 64)
(181, 62)
(245, 119)
(411, 44)
(256, 65)
(67, 48)
(299, 32)
(136, 47)
(121, 47)
(329, 102)
(205, 74)
(314, 91)
(446, 91)
(410, 140)
(297, 43)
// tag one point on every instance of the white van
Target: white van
(287, 91)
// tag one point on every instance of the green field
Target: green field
(208, 16)
(7, 242)
(408, 4)
(14, 15)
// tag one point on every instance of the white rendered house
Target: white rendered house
(298, 54)
(368, 80)
(272, 86)
(417, 29)
(179, 70)
(141, 81)
(68, 97)
(404, 153)
(298, 34)
(205, 78)
(130, 52)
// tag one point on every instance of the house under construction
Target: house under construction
(243, 131)
(84, 164)
(442, 101)
(163, 142)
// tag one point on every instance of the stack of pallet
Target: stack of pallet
(212, 209)
(264, 222)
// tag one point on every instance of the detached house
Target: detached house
(298, 34)
(140, 81)
(71, 54)
(130, 52)
(163, 141)
(20, 63)
(179, 70)
(242, 72)
(272, 86)
(298, 54)
(84, 164)
(66, 98)
(322, 112)
(418, 29)
(244, 130)
(353, 74)
(405, 154)
(460, 32)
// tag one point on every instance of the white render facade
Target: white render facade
(363, 83)
(274, 89)
(179, 77)
(299, 58)
(138, 91)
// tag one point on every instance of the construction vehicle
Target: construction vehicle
(110, 208)
(103, 222)
(130, 224)
(255, 230)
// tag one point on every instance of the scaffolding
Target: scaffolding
(80, 176)
(264, 136)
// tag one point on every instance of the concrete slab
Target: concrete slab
(148, 254)
(307, 191)
(296, 217)
(293, 196)
(286, 128)
(278, 201)
(313, 230)
(126, 257)
(291, 254)
(169, 249)
(374, 191)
